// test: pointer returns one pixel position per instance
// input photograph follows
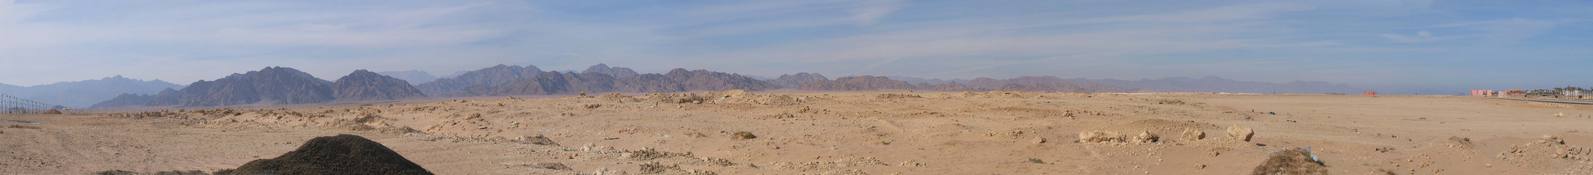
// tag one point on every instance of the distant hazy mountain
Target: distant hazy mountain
(496, 80)
(1032, 83)
(362, 85)
(858, 83)
(412, 76)
(8, 88)
(616, 72)
(128, 100)
(272, 85)
(916, 80)
(529, 80)
(87, 92)
(796, 81)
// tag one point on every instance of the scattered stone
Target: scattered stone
(1038, 140)
(24, 127)
(1459, 142)
(1384, 149)
(743, 135)
(1240, 133)
(536, 140)
(1293, 161)
(1036, 161)
(654, 168)
(551, 166)
(1145, 137)
(650, 154)
(1100, 137)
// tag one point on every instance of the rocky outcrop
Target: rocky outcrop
(362, 85)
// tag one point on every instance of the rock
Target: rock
(1100, 137)
(551, 166)
(1145, 137)
(536, 140)
(1293, 161)
(1037, 140)
(743, 135)
(1192, 134)
(1240, 133)
(1459, 142)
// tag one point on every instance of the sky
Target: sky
(1364, 43)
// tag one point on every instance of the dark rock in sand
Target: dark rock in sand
(743, 135)
(341, 154)
(1291, 162)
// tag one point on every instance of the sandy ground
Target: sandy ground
(840, 133)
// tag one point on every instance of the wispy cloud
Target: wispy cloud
(1419, 37)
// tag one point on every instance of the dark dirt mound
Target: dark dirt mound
(341, 154)
(1294, 161)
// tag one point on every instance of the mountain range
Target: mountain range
(273, 85)
(87, 92)
(529, 80)
(280, 85)
(411, 76)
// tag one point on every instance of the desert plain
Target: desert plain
(889, 132)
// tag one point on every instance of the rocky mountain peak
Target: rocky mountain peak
(363, 85)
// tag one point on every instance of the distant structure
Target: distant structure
(15, 105)
(1513, 93)
(1482, 92)
(1369, 93)
(1510, 93)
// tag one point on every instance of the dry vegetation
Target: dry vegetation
(737, 132)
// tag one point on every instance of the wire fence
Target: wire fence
(17, 105)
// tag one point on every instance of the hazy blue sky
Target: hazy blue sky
(1371, 43)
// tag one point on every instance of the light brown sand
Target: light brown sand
(840, 133)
